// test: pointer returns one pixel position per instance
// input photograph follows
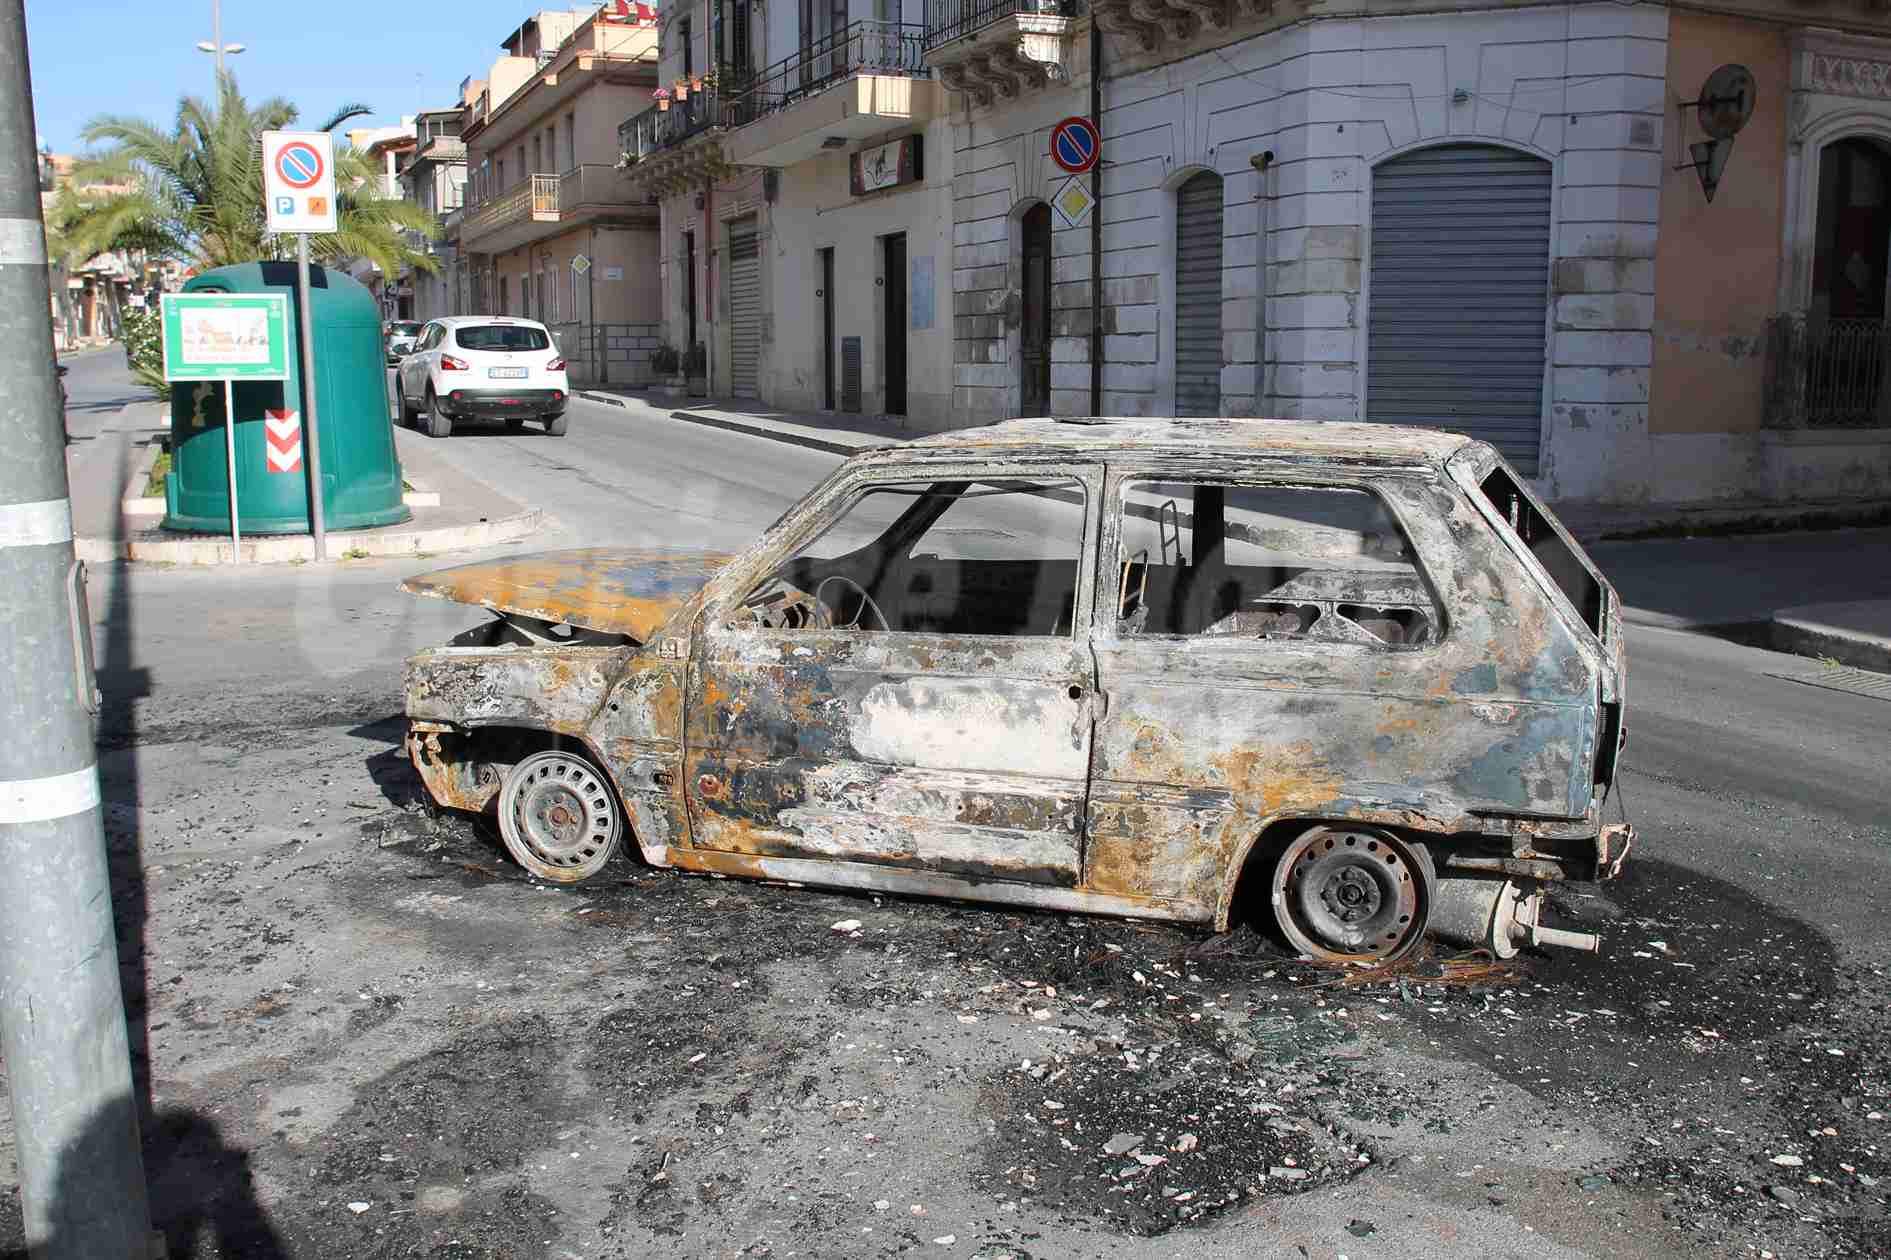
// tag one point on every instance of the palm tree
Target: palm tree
(195, 193)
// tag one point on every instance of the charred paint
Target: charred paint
(614, 590)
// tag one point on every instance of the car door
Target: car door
(413, 368)
(905, 680)
(1312, 643)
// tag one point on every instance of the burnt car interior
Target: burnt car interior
(1327, 564)
(960, 557)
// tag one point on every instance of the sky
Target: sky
(94, 57)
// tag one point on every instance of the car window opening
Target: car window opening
(1525, 519)
(1325, 565)
(972, 558)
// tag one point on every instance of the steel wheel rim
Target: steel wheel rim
(1350, 896)
(563, 815)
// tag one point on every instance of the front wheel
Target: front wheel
(1346, 894)
(559, 817)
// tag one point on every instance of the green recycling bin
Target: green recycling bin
(361, 470)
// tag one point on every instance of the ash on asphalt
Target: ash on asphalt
(1202, 1073)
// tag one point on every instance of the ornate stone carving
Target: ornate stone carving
(1849, 76)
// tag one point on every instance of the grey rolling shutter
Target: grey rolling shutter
(745, 309)
(1460, 295)
(1198, 296)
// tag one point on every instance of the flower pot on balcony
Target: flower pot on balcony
(681, 90)
(696, 83)
(663, 104)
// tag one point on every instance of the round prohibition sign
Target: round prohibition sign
(300, 164)
(1074, 144)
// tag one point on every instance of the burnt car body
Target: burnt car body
(1354, 678)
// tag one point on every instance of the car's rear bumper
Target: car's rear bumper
(505, 403)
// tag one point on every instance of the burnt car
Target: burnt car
(1353, 681)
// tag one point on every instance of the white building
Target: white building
(1338, 211)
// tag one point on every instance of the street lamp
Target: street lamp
(215, 43)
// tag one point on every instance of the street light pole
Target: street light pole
(62, 1017)
(215, 43)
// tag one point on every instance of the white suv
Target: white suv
(490, 366)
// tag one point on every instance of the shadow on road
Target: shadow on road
(196, 1178)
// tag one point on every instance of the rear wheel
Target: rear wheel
(559, 817)
(1344, 894)
(439, 423)
(557, 425)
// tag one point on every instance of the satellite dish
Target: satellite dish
(1726, 101)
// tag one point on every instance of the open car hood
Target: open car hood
(612, 589)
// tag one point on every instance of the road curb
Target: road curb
(154, 547)
(1800, 630)
(773, 435)
(610, 399)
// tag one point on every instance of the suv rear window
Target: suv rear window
(1567, 569)
(502, 337)
(403, 329)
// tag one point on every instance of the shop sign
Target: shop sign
(888, 165)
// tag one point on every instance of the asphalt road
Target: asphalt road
(348, 1001)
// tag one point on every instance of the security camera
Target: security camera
(1262, 160)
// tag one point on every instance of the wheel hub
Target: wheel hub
(1350, 896)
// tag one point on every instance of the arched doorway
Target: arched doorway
(1198, 296)
(1457, 320)
(1034, 324)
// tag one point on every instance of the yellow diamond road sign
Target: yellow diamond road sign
(1073, 202)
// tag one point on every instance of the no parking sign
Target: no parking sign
(299, 181)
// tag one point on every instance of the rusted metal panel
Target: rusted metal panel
(553, 689)
(614, 590)
(640, 729)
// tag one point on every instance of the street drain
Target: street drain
(1860, 682)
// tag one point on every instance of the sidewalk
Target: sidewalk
(1825, 592)
(111, 521)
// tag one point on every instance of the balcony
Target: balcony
(540, 206)
(998, 50)
(848, 86)
(1827, 373)
(1150, 24)
(667, 151)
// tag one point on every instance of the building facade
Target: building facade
(1492, 219)
(434, 178)
(550, 229)
(803, 162)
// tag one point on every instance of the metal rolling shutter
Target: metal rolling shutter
(1198, 296)
(745, 309)
(1456, 328)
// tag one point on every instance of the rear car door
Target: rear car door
(415, 367)
(905, 680)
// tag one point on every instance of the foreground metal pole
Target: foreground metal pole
(62, 1018)
(311, 446)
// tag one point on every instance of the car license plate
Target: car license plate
(509, 374)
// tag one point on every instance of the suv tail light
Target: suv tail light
(450, 364)
(556, 365)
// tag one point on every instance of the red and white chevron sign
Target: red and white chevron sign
(285, 440)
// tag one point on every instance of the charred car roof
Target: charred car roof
(1317, 440)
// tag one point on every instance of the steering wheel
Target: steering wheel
(866, 602)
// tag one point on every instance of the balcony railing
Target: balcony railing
(1827, 373)
(592, 184)
(949, 19)
(656, 128)
(864, 47)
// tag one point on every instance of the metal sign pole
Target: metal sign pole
(74, 1116)
(311, 445)
(229, 450)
